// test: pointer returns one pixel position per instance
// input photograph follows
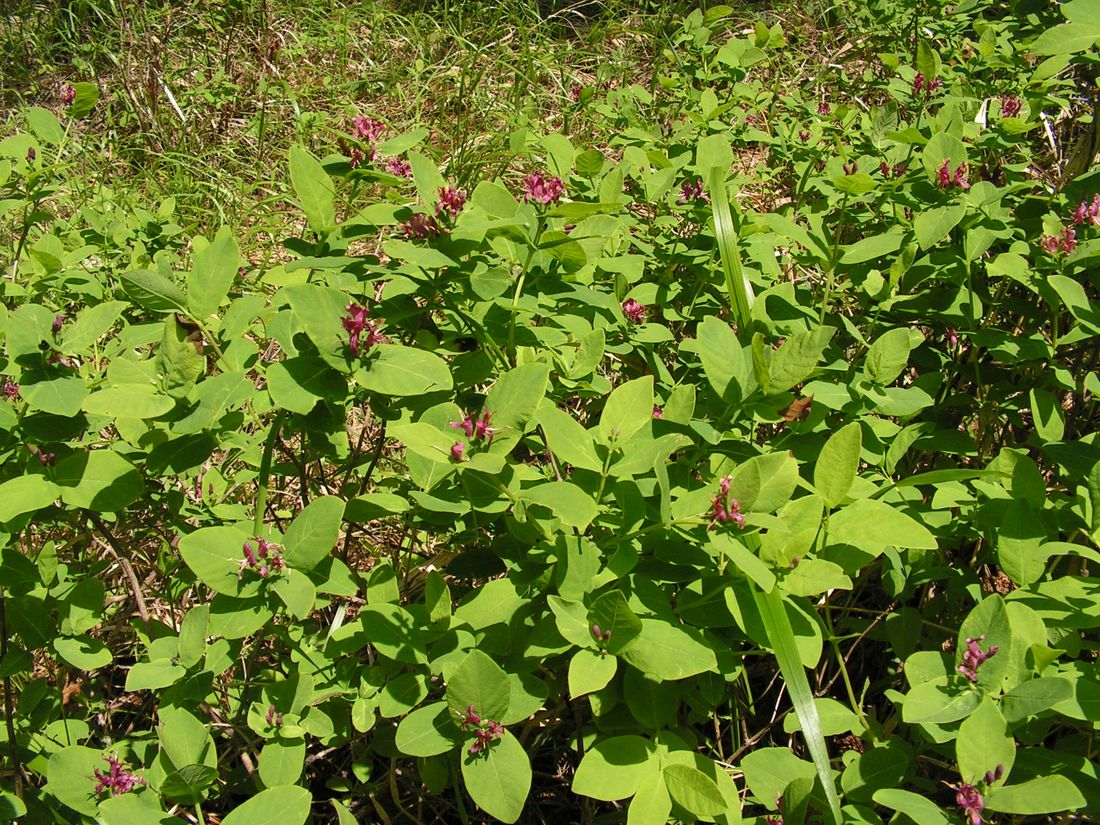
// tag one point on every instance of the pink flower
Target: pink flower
(575, 92)
(918, 83)
(658, 412)
(68, 94)
(823, 108)
(10, 389)
(723, 508)
(969, 799)
(634, 312)
(457, 449)
(475, 429)
(803, 135)
(945, 178)
(974, 657)
(1049, 244)
(366, 129)
(451, 200)
(692, 190)
(399, 167)
(421, 226)
(1088, 212)
(355, 156)
(1011, 105)
(118, 779)
(539, 189)
(356, 322)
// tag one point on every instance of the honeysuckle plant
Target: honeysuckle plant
(649, 485)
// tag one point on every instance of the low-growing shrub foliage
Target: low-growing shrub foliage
(731, 458)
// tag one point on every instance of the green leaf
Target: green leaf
(214, 555)
(983, 743)
(873, 525)
(134, 809)
(314, 188)
(668, 651)
(180, 359)
(565, 500)
(313, 533)
(693, 790)
(1019, 544)
(888, 356)
(297, 384)
(70, 772)
(1035, 696)
(153, 675)
(568, 440)
(612, 613)
(1046, 412)
(99, 480)
(615, 768)
(59, 396)
(184, 740)
(404, 371)
(812, 577)
(83, 652)
(286, 804)
(936, 703)
(627, 410)
(1042, 795)
(590, 671)
(920, 809)
(933, 225)
(428, 731)
(777, 625)
(499, 780)
(515, 396)
(1067, 38)
(479, 681)
(140, 401)
(427, 178)
(873, 248)
(713, 152)
(90, 325)
(651, 804)
(796, 359)
(153, 291)
(215, 397)
(764, 483)
(213, 271)
(281, 761)
(85, 99)
(837, 464)
(25, 494)
(990, 620)
(721, 355)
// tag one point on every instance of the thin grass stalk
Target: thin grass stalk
(738, 288)
(777, 624)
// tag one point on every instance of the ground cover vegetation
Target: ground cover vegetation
(597, 414)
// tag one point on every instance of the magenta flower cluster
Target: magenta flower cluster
(10, 389)
(974, 657)
(692, 190)
(602, 637)
(118, 779)
(538, 188)
(264, 559)
(920, 84)
(451, 201)
(398, 167)
(945, 178)
(475, 429)
(68, 94)
(1066, 242)
(273, 717)
(421, 226)
(723, 508)
(970, 800)
(1011, 105)
(356, 322)
(485, 731)
(895, 171)
(634, 312)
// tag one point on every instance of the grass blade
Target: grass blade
(777, 624)
(737, 285)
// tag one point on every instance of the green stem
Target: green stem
(519, 289)
(265, 474)
(831, 275)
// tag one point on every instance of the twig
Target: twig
(112, 545)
